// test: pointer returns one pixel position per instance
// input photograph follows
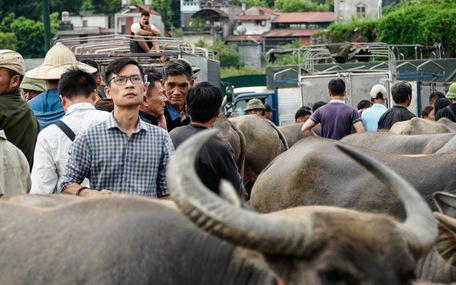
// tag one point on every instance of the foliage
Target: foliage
(162, 7)
(28, 34)
(8, 41)
(201, 43)
(424, 22)
(260, 3)
(233, 71)
(228, 55)
(32, 9)
(288, 58)
(300, 6)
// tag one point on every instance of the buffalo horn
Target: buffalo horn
(274, 235)
(420, 227)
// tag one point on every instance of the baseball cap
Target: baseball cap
(376, 89)
(269, 108)
(12, 60)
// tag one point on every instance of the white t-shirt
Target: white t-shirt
(138, 26)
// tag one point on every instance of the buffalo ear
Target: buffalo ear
(445, 203)
(446, 240)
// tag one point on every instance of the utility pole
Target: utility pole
(47, 26)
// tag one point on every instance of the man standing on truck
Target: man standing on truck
(336, 118)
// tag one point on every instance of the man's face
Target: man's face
(129, 94)
(143, 20)
(176, 88)
(155, 100)
(30, 94)
(7, 82)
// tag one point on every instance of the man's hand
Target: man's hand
(91, 192)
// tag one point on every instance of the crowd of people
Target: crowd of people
(73, 138)
(63, 133)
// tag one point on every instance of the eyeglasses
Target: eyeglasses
(122, 80)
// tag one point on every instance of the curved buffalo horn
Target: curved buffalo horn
(420, 227)
(274, 235)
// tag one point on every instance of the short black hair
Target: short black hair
(93, 64)
(203, 101)
(76, 82)
(435, 96)
(176, 67)
(145, 13)
(441, 103)
(116, 66)
(317, 105)
(302, 112)
(152, 76)
(400, 91)
(363, 104)
(336, 87)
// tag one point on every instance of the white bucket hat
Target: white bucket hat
(59, 59)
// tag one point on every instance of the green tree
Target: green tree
(298, 6)
(8, 41)
(28, 34)
(260, 3)
(162, 7)
(228, 55)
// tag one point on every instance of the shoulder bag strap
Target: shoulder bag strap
(70, 134)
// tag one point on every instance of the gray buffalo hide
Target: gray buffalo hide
(263, 142)
(416, 126)
(315, 172)
(400, 144)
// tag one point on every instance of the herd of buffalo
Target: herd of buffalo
(372, 209)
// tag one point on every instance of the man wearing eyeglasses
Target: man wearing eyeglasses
(123, 154)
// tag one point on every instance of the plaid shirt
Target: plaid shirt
(112, 160)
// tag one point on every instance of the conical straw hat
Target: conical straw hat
(59, 59)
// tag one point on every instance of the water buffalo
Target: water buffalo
(229, 133)
(293, 134)
(315, 172)
(264, 141)
(416, 126)
(400, 144)
(133, 240)
(315, 244)
(441, 267)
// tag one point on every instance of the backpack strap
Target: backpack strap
(70, 134)
(451, 112)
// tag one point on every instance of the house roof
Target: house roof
(305, 17)
(266, 10)
(251, 17)
(281, 33)
(235, 38)
(148, 9)
(210, 11)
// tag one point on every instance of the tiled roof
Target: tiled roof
(305, 17)
(148, 9)
(251, 17)
(266, 10)
(280, 33)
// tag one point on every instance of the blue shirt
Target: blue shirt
(112, 160)
(47, 107)
(371, 115)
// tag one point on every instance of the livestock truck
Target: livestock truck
(360, 65)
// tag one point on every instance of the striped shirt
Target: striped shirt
(112, 160)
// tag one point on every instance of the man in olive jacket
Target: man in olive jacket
(16, 118)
